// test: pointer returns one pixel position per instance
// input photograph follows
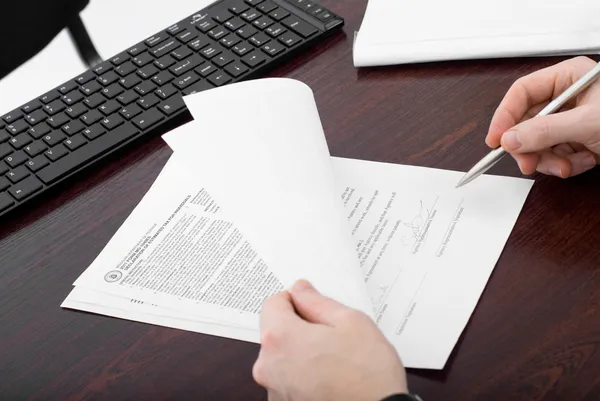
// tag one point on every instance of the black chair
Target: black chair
(26, 27)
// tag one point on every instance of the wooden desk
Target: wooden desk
(535, 334)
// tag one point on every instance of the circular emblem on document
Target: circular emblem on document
(113, 276)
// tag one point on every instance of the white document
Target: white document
(409, 31)
(423, 250)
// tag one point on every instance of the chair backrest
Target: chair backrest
(27, 26)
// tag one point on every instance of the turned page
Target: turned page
(260, 151)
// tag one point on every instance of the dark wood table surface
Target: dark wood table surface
(535, 334)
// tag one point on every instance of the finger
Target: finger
(316, 308)
(278, 312)
(531, 90)
(545, 132)
(527, 162)
(563, 150)
(552, 164)
(582, 162)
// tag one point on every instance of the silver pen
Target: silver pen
(497, 154)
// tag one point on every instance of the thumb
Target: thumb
(314, 307)
(544, 132)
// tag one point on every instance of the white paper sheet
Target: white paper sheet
(408, 31)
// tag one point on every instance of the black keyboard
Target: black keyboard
(138, 92)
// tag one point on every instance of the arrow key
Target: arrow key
(236, 69)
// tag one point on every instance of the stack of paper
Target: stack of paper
(409, 31)
(247, 205)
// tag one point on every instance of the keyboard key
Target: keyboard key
(236, 69)
(206, 69)
(102, 68)
(164, 48)
(5, 150)
(21, 140)
(222, 16)
(290, 39)
(198, 87)
(137, 49)
(164, 62)
(246, 31)
(4, 136)
(36, 117)
(259, 39)
(109, 107)
(91, 117)
(54, 107)
(230, 40)
(130, 81)
(238, 7)
(205, 26)
(17, 127)
(316, 10)
(219, 78)
(87, 152)
(25, 188)
(3, 169)
(145, 87)
(148, 101)
(250, 15)
(278, 14)
(4, 183)
(175, 29)
(83, 78)
(254, 58)
(148, 71)
(119, 59)
(128, 97)
(94, 131)
(166, 91)
(275, 30)
(76, 110)
(186, 65)
(50, 96)
(5, 200)
(18, 174)
(266, 7)
(56, 152)
(148, 119)
(129, 112)
(211, 51)
(156, 39)
(125, 69)
(172, 105)
(35, 148)
(73, 97)
(181, 53)
(186, 36)
(273, 48)
(12, 116)
(73, 127)
(90, 88)
(299, 26)
(217, 33)
(54, 138)
(308, 6)
(263, 22)
(31, 106)
(75, 142)
(57, 120)
(16, 159)
(143, 59)
(223, 59)
(162, 78)
(254, 2)
(186, 80)
(200, 43)
(113, 91)
(39, 130)
(242, 48)
(325, 16)
(113, 121)
(108, 78)
(234, 24)
(37, 163)
(94, 101)
(68, 87)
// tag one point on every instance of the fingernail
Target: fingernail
(589, 162)
(302, 286)
(511, 140)
(555, 171)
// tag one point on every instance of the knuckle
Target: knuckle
(259, 374)
(271, 338)
(353, 316)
